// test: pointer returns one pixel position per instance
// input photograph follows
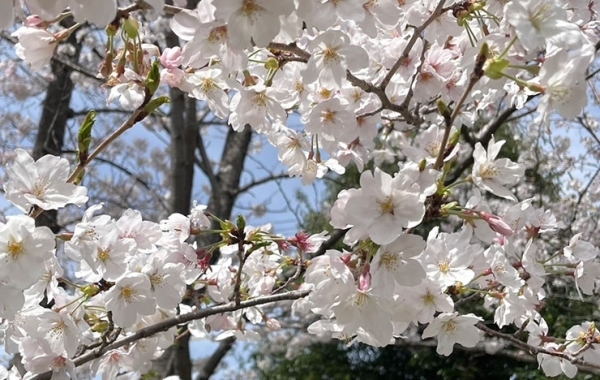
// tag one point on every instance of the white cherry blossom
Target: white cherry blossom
(131, 296)
(492, 174)
(332, 54)
(385, 205)
(452, 328)
(41, 183)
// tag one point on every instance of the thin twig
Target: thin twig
(416, 34)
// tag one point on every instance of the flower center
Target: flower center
(488, 171)
(450, 327)
(387, 206)
(444, 266)
(330, 54)
(218, 34)
(59, 362)
(328, 117)
(127, 294)
(57, 330)
(250, 8)
(207, 85)
(560, 93)
(433, 148)
(15, 248)
(103, 254)
(260, 99)
(543, 14)
(325, 93)
(39, 190)
(428, 298)
(500, 268)
(390, 260)
(156, 280)
(360, 299)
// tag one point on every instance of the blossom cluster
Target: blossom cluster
(372, 83)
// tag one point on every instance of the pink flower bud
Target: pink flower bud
(364, 283)
(497, 224)
(33, 21)
(172, 77)
(171, 58)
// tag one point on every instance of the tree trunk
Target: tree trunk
(183, 129)
(56, 112)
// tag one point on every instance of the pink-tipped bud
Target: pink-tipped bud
(497, 224)
(364, 283)
(34, 21)
(171, 58)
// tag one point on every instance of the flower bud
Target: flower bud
(34, 21)
(364, 283)
(131, 26)
(90, 290)
(497, 224)
(272, 64)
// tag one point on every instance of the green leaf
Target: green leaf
(153, 79)
(155, 103)
(84, 137)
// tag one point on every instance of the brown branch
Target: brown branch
(204, 162)
(416, 34)
(213, 361)
(334, 238)
(262, 181)
(532, 350)
(475, 76)
(178, 320)
(518, 355)
(304, 56)
(484, 140)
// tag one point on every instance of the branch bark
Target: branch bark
(215, 359)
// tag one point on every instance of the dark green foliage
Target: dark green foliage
(335, 361)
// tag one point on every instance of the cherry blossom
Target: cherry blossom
(452, 328)
(332, 54)
(252, 19)
(385, 205)
(129, 298)
(555, 366)
(23, 249)
(491, 174)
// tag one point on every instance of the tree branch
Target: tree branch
(334, 238)
(416, 34)
(215, 359)
(261, 181)
(178, 320)
(532, 350)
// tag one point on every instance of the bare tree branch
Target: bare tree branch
(262, 181)
(416, 35)
(209, 367)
